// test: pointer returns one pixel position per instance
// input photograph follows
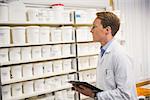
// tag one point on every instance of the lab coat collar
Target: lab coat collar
(109, 49)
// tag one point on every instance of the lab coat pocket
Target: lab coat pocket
(109, 78)
(109, 74)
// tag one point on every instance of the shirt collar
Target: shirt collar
(106, 45)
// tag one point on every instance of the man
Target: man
(114, 70)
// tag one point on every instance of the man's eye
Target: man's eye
(93, 27)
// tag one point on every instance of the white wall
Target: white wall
(137, 34)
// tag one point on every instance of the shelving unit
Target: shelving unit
(74, 55)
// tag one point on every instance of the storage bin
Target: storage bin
(38, 69)
(66, 49)
(48, 67)
(56, 35)
(6, 92)
(58, 13)
(67, 65)
(4, 55)
(56, 51)
(5, 74)
(16, 72)
(93, 61)
(46, 51)
(67, 34)
(39, 85)
(36, 52)
(33, 34)
(17, 11)
(44, 34)
(83, 49)
(26, 53)
(16, 89)
(4, 35)
(3, 12)
(14, 54)
(57, 66)
(32, 15)
(18, 35)
(27, 70)
(83, 62)
(28, 87)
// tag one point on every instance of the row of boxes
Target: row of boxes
(87, 62)
(37, 69)
(29, 87)
(88, 48)
(67, 94)
(55, 15)
(35, 34)
(35, 52)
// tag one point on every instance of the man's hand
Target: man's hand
(84, 90)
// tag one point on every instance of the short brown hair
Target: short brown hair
(109, 19)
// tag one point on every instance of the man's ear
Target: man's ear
(108, 30)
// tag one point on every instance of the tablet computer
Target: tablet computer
(77, 83)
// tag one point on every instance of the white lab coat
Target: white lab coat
(114, 75)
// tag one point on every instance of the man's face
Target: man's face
(98, 32)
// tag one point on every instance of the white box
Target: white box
(57, 66)
(26, 53)
(83, 49)
(14, 54)
(3, 55)
(18, 35)
(67, 33)
(17, 11)
(46, 51)
(49, 83)
(57, 81)
(93, 61)
(27, 70)
(67, 65)
(56, 50)
(36, 52)
(82, 33)
(48, 67)
(4, 35)
(16, 89)
(3, 12)
(66, 49)
(39, 85)
(81, 17)
(32, 15)
(64, 81)
(6, 92)
(33, 34)
(56, 35)
(16, 72)
(83, 62)
(44, 34)
(5, 74)
(38, 69)
(28, 87)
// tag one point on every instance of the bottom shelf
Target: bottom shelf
(38, 93)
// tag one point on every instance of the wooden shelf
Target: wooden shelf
(35, 44)
(35, 60)
(35, 77)
(38, 93)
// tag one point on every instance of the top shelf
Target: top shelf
(12, 23)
